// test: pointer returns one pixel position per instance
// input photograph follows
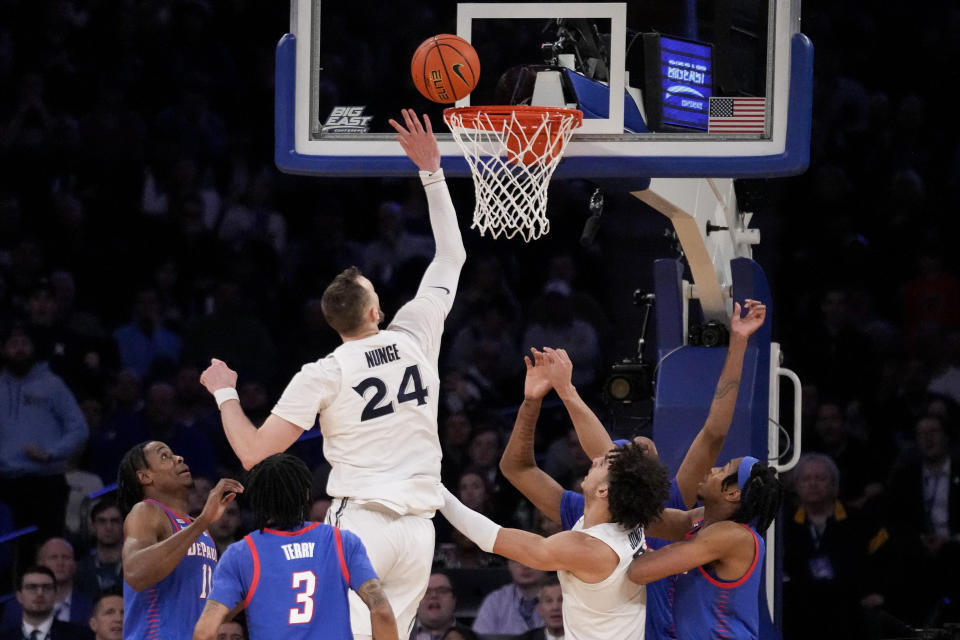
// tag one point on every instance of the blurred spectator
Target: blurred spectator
(565, 460)
(252, 218)
(41, 426)
(226, 530)
(101, 569)
(198, 494)
(830, 553)
(160, 423)
(924, 512)
(558, 325)
(435, 614)
(106, 621)
(944, 369)
(931, 300)
(69, 604)
(454, 436)
(831, 337)
(486, 334)
(392, 246)
(146, 346)
(36, 590)
(81, 360)
(861, 473)
(512, 609)
(460, 393)
(550, 608)
(122, 426)
(81, 484)
(232, 333)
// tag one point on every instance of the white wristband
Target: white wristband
(222, 395)
(428, 178)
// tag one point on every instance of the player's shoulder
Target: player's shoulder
(726, 532)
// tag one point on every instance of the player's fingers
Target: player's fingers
(410, 118)
(526, 360)
(396, 125)
(427, 125)
(737, 309)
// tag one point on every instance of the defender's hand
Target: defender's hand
(746, 326)
(536, 385)
(219, 497)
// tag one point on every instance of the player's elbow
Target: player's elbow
(204, 631)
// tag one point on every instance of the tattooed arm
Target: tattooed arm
(382, 622)
(703, 453)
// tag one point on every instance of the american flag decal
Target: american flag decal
(737, 115)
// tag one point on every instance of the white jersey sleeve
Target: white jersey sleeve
(422, 318)
(309, 392)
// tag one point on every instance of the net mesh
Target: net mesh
(512, 152)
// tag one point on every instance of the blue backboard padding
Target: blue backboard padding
(593, 99)
(793, 160)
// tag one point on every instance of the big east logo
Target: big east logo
(347, 120)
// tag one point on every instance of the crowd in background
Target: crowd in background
(144, 229)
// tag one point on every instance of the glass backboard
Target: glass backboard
(668, 88)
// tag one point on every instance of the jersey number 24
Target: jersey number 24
(411, 388)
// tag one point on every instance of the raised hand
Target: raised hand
(536, 385)
(746, 326)
(218, 376)
(559, 367)
(418, 141)
(219, 497)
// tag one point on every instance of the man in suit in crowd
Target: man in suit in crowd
(550, 608)
(924, 505)
(36, 594)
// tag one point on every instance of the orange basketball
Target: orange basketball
(445, 68)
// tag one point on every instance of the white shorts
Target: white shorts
(400, 549)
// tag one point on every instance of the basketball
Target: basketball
(445, 68)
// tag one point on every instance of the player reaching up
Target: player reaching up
(623, 492)
(376, 395)
(292, 576)
(554, 370)
(168, 558)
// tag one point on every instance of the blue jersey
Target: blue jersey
(659, 624)
(715, 609)
(293, 584)
(170, 609)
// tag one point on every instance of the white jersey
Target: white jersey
(615, 608)
(377, 400)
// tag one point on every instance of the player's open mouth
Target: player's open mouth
(185, 472)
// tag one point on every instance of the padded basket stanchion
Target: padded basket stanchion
(512, 152)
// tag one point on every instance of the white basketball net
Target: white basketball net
(511, 163)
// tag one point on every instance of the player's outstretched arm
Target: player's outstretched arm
(250, 444)
(592, 434)
(210, 620)
(382, 621)
(708, 443)
(443, 273)
(149, 555)
(583, 555)
(725, 542)
(518, 464)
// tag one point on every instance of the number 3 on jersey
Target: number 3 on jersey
(304, 597)
(411, 388)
